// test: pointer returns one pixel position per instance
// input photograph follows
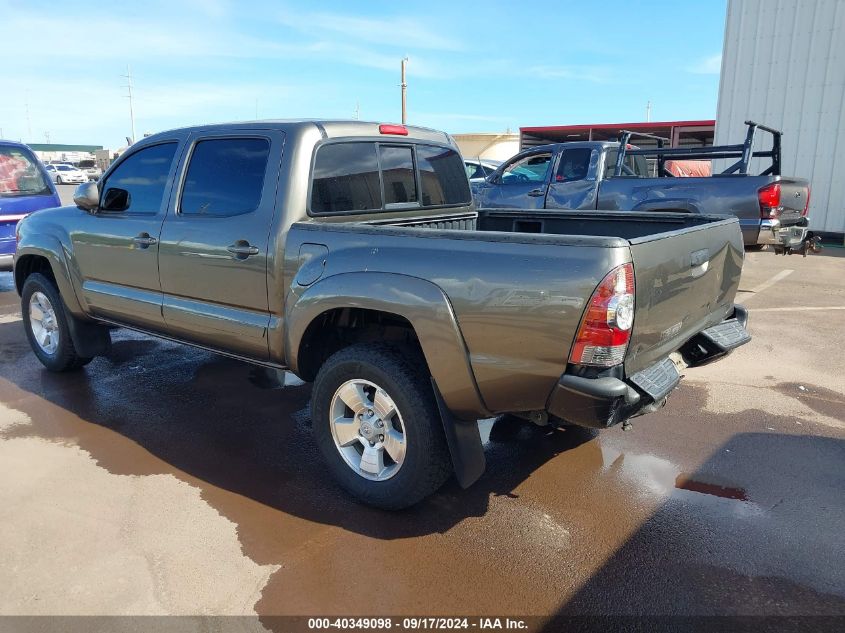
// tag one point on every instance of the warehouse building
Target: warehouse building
(783, 65)
(679, 133)
(56, 152)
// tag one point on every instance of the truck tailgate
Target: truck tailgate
(686, 281)
(793, 199)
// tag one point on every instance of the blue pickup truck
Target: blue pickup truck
(617, 176)
(24, 187)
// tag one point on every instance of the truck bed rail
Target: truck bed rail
(743, 151)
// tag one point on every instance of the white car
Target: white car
(478, 170)
(64, 174)
(91, 169)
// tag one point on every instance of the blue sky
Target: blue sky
(473, 66)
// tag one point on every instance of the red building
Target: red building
(680, 133)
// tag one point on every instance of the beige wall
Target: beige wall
(490, 146)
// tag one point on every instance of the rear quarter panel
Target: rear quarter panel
(733, 195)
(518, 299)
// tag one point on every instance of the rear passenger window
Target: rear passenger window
(397, 168)
(225, 177)
(137, 184)
(442, 179)
(574, 164)
(346, 178)
(638, 164)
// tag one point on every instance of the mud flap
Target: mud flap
(89, 339)
(464, 441)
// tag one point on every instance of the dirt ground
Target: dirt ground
(168, 480)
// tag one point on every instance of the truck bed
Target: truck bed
(687, 267)
(518, 281)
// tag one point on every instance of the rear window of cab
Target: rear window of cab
(367, 176)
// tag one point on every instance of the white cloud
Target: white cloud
(596, 74)
(211, 8)
(398, 31)
(711, 65)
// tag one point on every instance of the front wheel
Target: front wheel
(377, 425)
(46, 325)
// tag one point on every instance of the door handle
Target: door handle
(242, 249)
(144, 240)
(536, 193)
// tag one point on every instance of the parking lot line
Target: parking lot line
(799, 309)
(10, 318)
(768, 283)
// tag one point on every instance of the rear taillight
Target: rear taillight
(806, 204)
(606, 327)
(769, 198)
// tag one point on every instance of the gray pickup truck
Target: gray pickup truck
(772, 209)
(351, 254)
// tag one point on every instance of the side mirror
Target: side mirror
(87, 196)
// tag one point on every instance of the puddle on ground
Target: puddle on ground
(684, 482)
(819, 399)
(662, 477)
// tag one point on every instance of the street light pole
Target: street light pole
(404, 89)
(128, 76)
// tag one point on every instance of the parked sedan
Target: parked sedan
(91, 169)
(478, 169)
(63, 174)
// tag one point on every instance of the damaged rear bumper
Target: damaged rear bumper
(603, 401)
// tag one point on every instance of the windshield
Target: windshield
(66, 168)
(19, 174)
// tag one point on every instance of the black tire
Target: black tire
(755, 248)
(58, 180)
(65, 357)
(426, 464)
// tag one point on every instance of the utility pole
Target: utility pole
(357, 110)
(404, 88)
(128, 76)
(28, 122)
(648, 112)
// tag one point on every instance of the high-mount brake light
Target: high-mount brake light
(392, 128)
(769, 199)
(605, 329)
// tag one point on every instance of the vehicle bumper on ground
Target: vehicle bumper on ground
(6, 262)
(605, 401)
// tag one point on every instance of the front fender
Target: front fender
(51, 249)
(421, 302)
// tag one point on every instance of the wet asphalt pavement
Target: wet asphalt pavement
(164, 479)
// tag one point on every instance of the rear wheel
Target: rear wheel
(46, 325)
(378, 427)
